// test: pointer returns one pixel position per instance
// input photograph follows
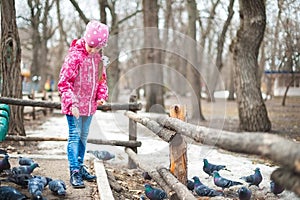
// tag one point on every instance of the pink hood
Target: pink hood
(79, 84)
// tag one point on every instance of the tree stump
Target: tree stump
(178, 147)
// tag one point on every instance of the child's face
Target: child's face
(91, 49)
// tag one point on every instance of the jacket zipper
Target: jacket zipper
(93, 82)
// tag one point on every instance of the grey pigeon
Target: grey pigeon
(276, 188)
(244, 193)
(58, 187)
(223, 182)
(146, 176)
(142, 197)
(102, 155)
(19, 179)
(25, 161)
(253, 179)
(2, 151)
(24, 169)
(190, 184)
(154, 193)
(10, 193)
(197, 181)
(45, 180)
(35, 188)
(4, 163)
(203, 190)
(209, 168)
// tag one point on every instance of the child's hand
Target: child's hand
(100, 102)
(75, 112)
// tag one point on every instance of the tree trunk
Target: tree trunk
(193, 72)
(252, 110)
(154, 74)
(113, 50)
(10, 64)
(216, 71)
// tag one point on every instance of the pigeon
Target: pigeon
(10, 193)
(19, 179)
(58, 187)
(146, 176)
(2, 151)
(154, 193)
(102, 155)
(209, 168)
(203, 190)
(35, 188)
(275, 188)
(254, 179)
(197, 181)
(25, 161)
(142, 197)
(4, 163)
(223, 182)
(190, 184)
(45, 180)
(24, 169)
(244, 193)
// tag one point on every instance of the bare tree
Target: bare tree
(220, 45)
(154, 91)
(193, 72)
(252, 110)
(10, 64)
(114, 71)
(42, 31)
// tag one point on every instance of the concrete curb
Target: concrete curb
(104, 189)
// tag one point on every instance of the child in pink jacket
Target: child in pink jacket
(81, 92)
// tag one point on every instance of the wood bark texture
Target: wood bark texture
(10, 64)
(178, 147)
(181, 190)
(251, 107)
(57, 105)
(160, 131)
(283, 151)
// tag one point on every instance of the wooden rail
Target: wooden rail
(57, 105)
(283, 151)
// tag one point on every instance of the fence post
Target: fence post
(33, 108)
(178, 147)
(132, 133)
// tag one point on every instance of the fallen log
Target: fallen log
(290, 180)
(180, 189)
(281, 150)
(160, 131)
(152, 172)
(57, 105)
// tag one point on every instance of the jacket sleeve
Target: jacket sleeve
(102, 89)
(67, 77)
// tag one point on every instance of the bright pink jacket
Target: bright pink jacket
(79, 84)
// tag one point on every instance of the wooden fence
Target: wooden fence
(283, 151)
(278, 149)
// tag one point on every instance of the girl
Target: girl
(81, 92)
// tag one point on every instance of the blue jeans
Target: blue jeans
(78, 133)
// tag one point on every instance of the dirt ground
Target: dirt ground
(285, 122)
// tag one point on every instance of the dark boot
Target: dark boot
(86, 175)
(76, 180)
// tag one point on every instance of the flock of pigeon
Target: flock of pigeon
(197, 187)
(22, 175)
